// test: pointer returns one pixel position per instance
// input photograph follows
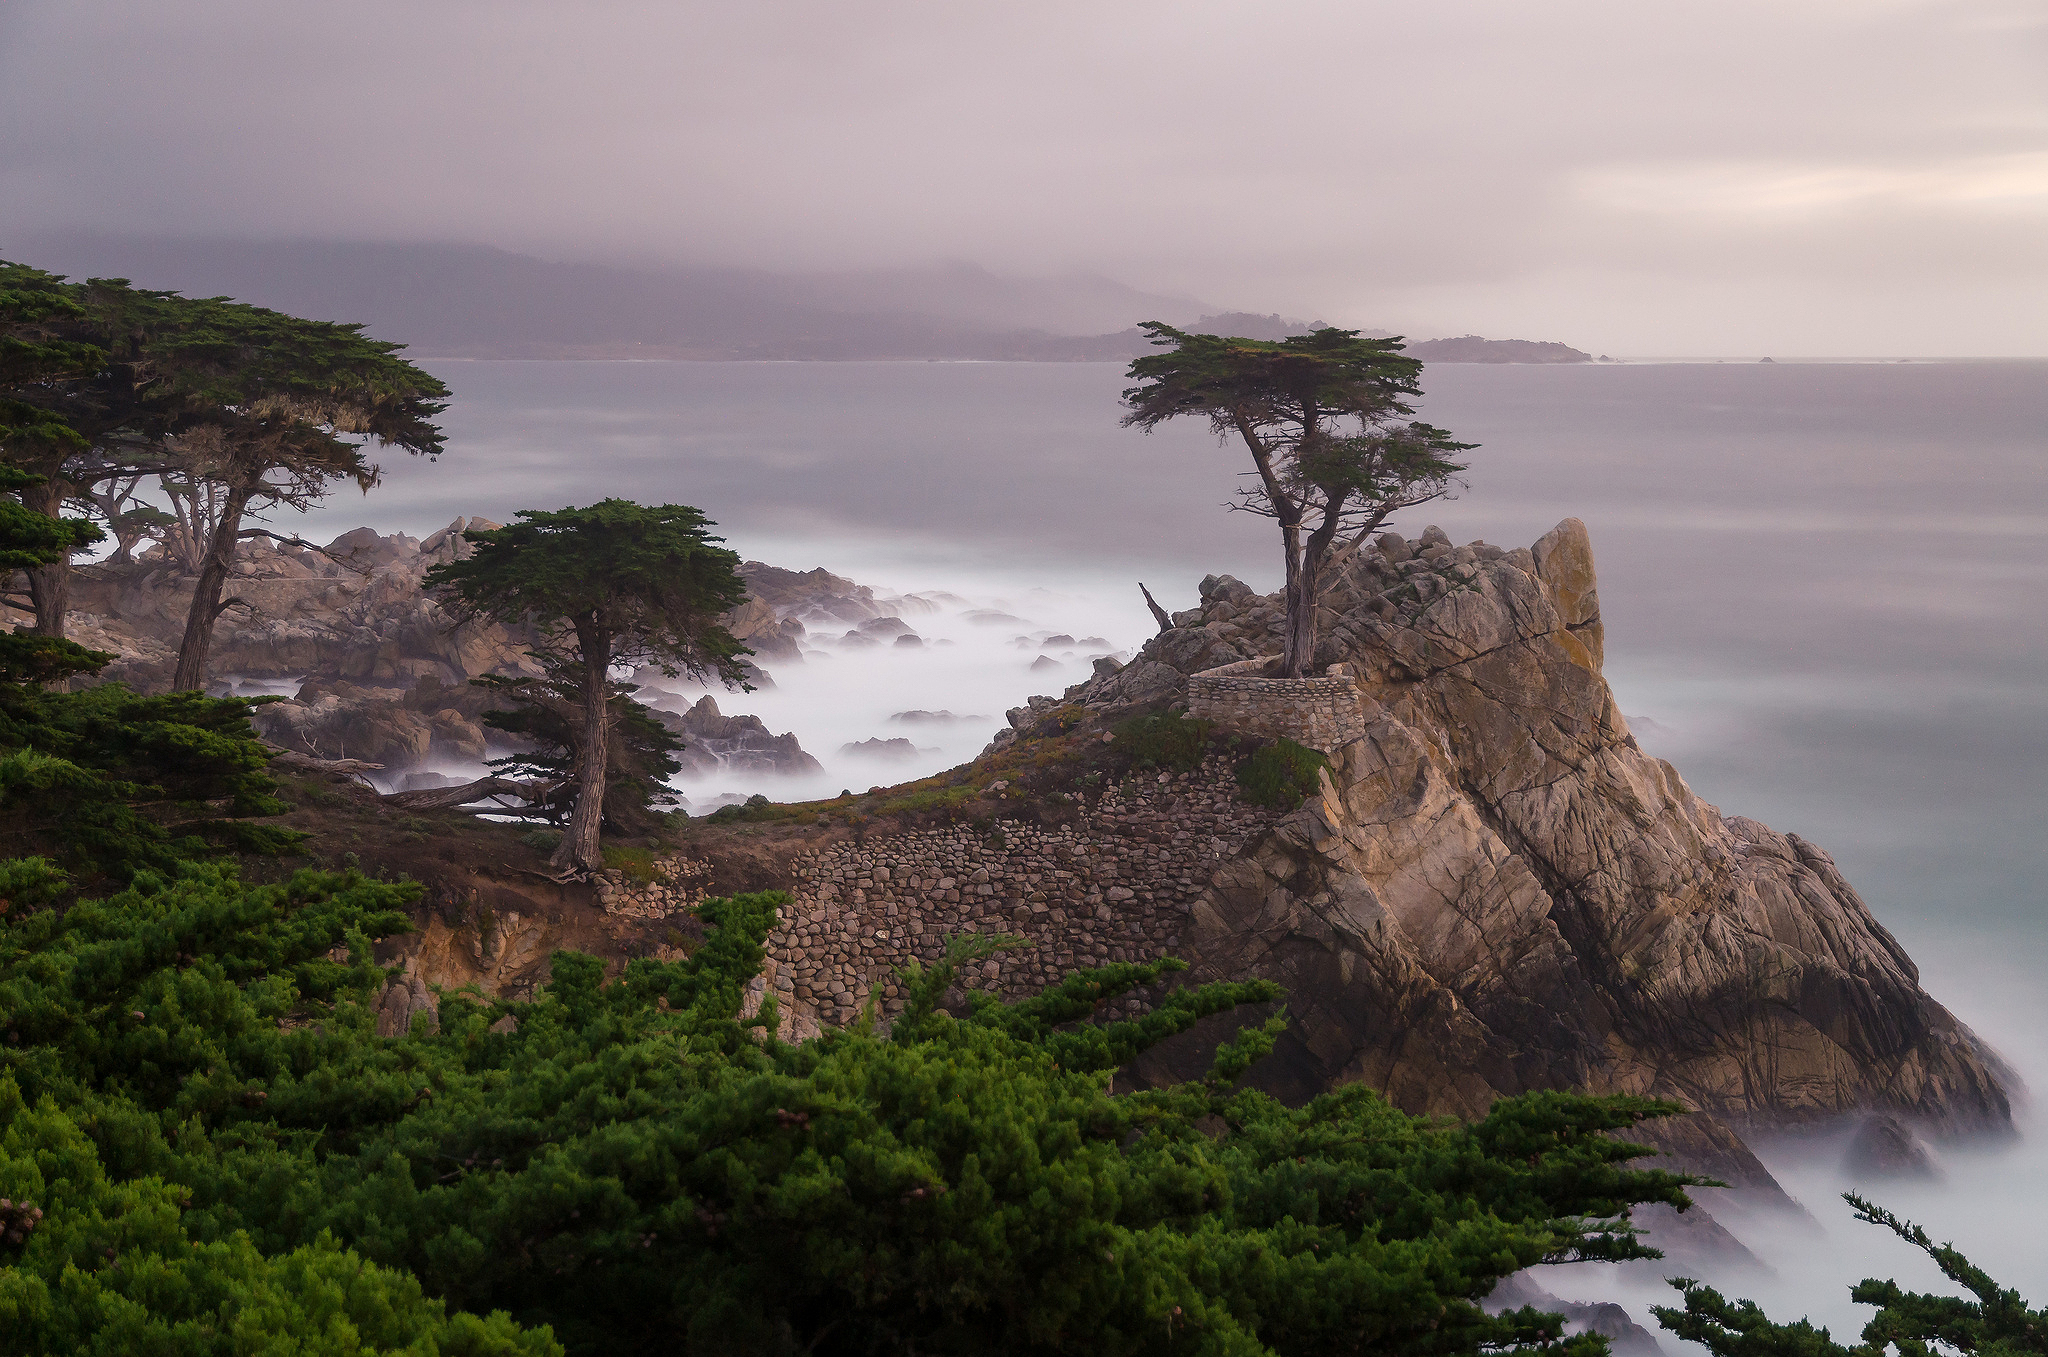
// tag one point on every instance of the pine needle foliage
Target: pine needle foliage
(189, 1077)
(611, 585)
(1993, 1321)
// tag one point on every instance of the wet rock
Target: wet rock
(1884, 1147)
(893, 750)
(715, 742)
(1624, 1336)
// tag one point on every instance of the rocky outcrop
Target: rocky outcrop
(717, 743)
(399, 728)
(352, 611)
(1498, 890)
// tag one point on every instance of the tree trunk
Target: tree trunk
(213, 576)
(1299, 592)
(49, 585)
(580, 849)
(1305, 585)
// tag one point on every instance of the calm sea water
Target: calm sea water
(1823, 587)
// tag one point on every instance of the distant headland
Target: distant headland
(473, 301)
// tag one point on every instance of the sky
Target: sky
(1845, 177)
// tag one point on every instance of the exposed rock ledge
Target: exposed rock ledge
(1498, 890)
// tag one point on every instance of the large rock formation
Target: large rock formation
(353, 611)
(1498, 890)
(382, 670)
(717, 743)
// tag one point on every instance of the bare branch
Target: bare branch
(531, 793)
(1159, 614)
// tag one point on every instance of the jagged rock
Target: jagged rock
(882, 627)
(397, 727)
(1045, 662)
(1625, 1337)
(715, 742)
(895, 750)
(769, 635)
(406, 997)
(1884, 1148)
(1498, 890)
(355, 612)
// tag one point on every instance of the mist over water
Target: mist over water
(1824, 587)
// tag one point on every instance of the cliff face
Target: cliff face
(1499, 890)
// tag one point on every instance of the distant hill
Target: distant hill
(474, 301)
(1473, 349)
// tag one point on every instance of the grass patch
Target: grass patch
(541, 840)
(1166, 740)
(635, 864)
(1281, 775)
(928, 799)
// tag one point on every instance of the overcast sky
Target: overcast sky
(1799, 177)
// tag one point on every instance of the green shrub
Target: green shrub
(190, 1081)
(1281, 775)
(755, 807)
(541, 840)
(1166, 740)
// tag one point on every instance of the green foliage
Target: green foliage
(755, 808)
(111, 1271)
(646, 582)
(1997, 1323)
(617, 583)
(190, 1066)
(112, 781)
(1164, 740)
(546, 710)
(28, 658)
(1322, 416)
(1281, 775)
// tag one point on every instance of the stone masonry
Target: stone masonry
(1322, 713)
(1116, 884)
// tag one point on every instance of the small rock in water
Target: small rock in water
(1044, 662)
(878, 748)
(910, 640)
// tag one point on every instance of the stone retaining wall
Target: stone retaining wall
(1321, 713)
(1114, 885)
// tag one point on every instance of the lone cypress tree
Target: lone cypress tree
(1322, 415)
(615, 584)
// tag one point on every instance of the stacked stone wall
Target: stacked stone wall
(1116, 884)
(1322, 713)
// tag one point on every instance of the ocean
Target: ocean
(1824, 587)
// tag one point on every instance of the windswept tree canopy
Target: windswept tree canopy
(271, 407)
(1325, 418)
(617, 583)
